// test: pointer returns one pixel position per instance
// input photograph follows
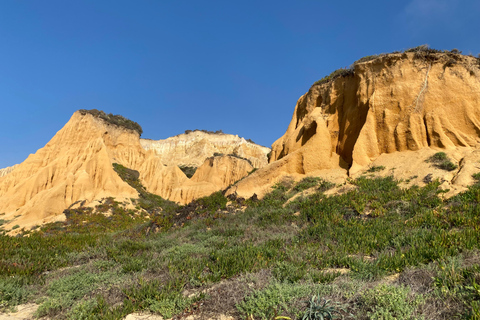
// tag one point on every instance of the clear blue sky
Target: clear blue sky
(239, 66)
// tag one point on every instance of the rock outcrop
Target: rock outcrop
(75, 166)
(215, 174)
(7, 170)
(193, 148)
(393, 103)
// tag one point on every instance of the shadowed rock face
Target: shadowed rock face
(394, 103)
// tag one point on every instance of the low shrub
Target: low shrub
(116, 120)
(13, 292)
(277, 296)
(373, 230)
(204, 131)
(306, 183)
(441, 161)
(165, 299)
(375, 168)
(150, 202)
(424, 48)
(390, 302)
(189, 171)
(215, 201)
(63, 293)
(339, 73)
(368, 58)
(320, 309)
(289, 271)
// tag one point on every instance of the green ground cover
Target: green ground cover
(375, 252)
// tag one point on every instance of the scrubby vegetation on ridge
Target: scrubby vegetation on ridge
(344, 72)
(375, 252)
(422, 52)
(116, 120)
(216, 154)
(204, 131)
(219, 132)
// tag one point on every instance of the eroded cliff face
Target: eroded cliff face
(215, 174)
(194, 148)
(75, 166)
(394, 103)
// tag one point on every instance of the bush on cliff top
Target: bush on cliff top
(204, 131)
(423, 52)
(116, 119)
(334, 75)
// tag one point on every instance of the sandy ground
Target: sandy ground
(24, 312)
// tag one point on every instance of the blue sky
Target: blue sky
(239, 66)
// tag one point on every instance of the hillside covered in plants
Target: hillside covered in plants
(364, 250)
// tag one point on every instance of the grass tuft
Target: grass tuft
(441, 160)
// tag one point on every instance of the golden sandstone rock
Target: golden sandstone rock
(76, 167)
(402, 106)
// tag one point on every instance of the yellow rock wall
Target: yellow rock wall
(76, 166)
(394, 103)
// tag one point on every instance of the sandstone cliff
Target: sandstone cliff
(388, 105)
(7, 170)
(193, 148)
(215, 174)
(76, 166)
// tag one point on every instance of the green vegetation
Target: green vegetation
(204, 131)
(116, 120)
(322, 309)
(310, 182)
(13, 291)
(368, 58)
(375, 252)
(63, 292)
(189, 171)
(241, 158)
(344, 72)
(422, 52)
(147, 201)
(440, 160)
(426, 48)
(375, 168)
(391, 302)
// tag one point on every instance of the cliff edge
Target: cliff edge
(421, 101)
